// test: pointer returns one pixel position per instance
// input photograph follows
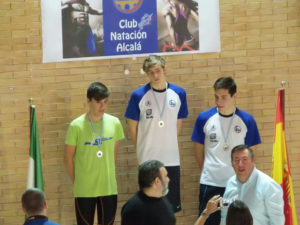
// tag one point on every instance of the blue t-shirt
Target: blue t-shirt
(41, 221)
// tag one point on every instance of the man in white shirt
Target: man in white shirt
(261, 193)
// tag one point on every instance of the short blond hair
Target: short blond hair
(153, 60)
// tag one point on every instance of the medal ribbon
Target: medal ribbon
(161, 112)
(98, 138)
(230, 124)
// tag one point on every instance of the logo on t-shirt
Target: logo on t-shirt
(98, 141)
(172, 103)
(149, 114)
(213, 137)
(147, 103)
(237, 129)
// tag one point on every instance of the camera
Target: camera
(226, 201)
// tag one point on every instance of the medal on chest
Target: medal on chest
(98, 139)
(161, 123)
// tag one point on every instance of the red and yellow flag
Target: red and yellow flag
(281, 167)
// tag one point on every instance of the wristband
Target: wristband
(205, 214)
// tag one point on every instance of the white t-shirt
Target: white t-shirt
(217, 167)
(154, 142)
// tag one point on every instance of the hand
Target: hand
(213, 205)
(81, 18)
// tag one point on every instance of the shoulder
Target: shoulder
(247, 117)
(140, 92)
(267, 182)
(231, 187)
(111, 117)
(51, 223)
(232, 181)
(78, 120)
(176, 88)
(134, 204)
(204, 116)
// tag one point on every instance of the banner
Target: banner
(98, 29)
(35, 172)
(281, 167)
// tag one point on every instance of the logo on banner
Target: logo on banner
(128, 6)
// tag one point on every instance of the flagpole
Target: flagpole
(30, 100)
(282, 93)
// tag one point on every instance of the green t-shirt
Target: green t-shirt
(94, 174)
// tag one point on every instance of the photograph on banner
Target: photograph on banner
(82, 28)
(98, 29)
(178, 25)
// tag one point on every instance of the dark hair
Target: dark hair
(148, 171)
(239, 214)
(226, 83)
(193, 5)
(33, 200)
(98, 91)
(241, 148)
(153, 60)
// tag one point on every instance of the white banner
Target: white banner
(98, 29)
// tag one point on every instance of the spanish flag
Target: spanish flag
(281, 167)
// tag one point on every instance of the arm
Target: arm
(117, 144)
(69, 160)
(194, 16)
(171, 29)
(199, 154)
(133, 130)
(211, 207)
(274, 204)
(179, 125)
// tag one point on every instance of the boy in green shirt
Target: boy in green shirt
(92, 144)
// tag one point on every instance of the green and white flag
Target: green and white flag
(35, 172)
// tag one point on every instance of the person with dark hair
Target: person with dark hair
(149, 206)
(154, 115)
(35, 207)
(92, 144)
(216, 131)
(261, 193)
(238, 214)
(177, 14)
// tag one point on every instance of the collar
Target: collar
(37, 217)
(156, 90)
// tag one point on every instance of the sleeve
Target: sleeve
(183, 111)
(133, 110)
(252, 136)
(119, 130)
(198, 133)
(72, 134)
(275, 205)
